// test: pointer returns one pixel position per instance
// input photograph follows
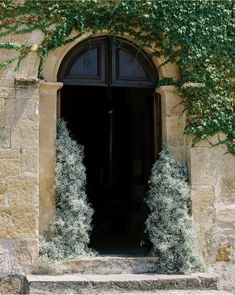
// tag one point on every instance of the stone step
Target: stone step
(121, 283)
(100, 265)
(176, 292)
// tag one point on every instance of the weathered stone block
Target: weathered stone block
(9, 71)
(222, 161)
(212, 140)
(7, 92)
(25, 136)
(179, 153)
(203, 209)
(2, 200)
(25, 254)
(9, 167)
(3, 188)
(176, 140)
(16, 140)
(202, 172)
(30, 137)
(23, 193)
(7, 82)
(21, 111)
(29, 65)
(30, 162)
(227, 275)
(175, 125)
(173, 105)
(224, 252)
(10, 154)
(226, 219)
(27, 91)
(12, 285)
(35, 37)
(18, 223)
(228, 189)
(5, 256)
(3, 191)
(2, 112)
(5, 138)
(12, 112)
(227, 165)
(203, 203)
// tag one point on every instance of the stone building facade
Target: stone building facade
(28, 112)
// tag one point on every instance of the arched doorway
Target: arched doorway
(109, 103)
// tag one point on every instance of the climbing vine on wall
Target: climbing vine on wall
(199, 35)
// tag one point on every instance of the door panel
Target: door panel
(99, 62)
(86, 65)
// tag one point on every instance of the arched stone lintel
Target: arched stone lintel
(55, 57)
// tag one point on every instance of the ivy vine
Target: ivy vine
(199, 35)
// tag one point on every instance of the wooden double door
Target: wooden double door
(109, 103)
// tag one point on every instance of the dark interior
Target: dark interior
(115, 126)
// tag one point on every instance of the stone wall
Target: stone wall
(27, 158)
(19, 177)
(213, 199)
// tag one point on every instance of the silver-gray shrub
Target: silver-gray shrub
(71, 224)
(169, 225)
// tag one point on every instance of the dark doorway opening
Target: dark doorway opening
(109, 103)
(115, 126)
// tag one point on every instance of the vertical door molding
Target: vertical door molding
(157, 125)
(173, 120)
(47, 150)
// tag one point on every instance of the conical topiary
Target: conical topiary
(169, 225)
(71, 225)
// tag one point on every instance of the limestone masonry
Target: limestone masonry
(28, 111)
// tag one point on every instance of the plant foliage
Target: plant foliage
(169, 225)
(199, 35)
(71, 224)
